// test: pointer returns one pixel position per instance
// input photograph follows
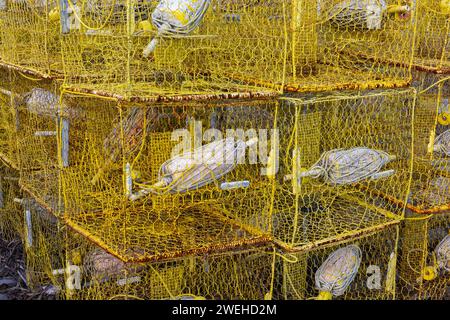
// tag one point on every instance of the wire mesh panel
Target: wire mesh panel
(30, 36)
(424, 257)
(135, 48)
(341, 156)
(155, 181)
(358, 268)
(432, 40)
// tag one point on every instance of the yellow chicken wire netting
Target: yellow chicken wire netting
(30, 36)
(432, 36)
(150, 182)
(131, 49)
(342, 157)
(430, 189)
(10, 211)
(424, 257)
(357, 268)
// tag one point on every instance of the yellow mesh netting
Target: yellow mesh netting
(344, 159)
(30, 36)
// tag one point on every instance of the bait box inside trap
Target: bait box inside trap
(374, 280)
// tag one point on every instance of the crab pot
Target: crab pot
(305, 48)
(98, 275)
(423, 274)
(432, 45)
(342, 156)
(10, 212)
(431, 176)
(30, 36)
(356, 268)
(120, 192)
(234, 47)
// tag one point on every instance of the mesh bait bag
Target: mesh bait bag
(337, 272)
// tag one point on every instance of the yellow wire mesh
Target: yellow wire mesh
(30, 36)
(300, 45)
(374, 277)
(419, 274)
(432, 40)
(322, 201)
